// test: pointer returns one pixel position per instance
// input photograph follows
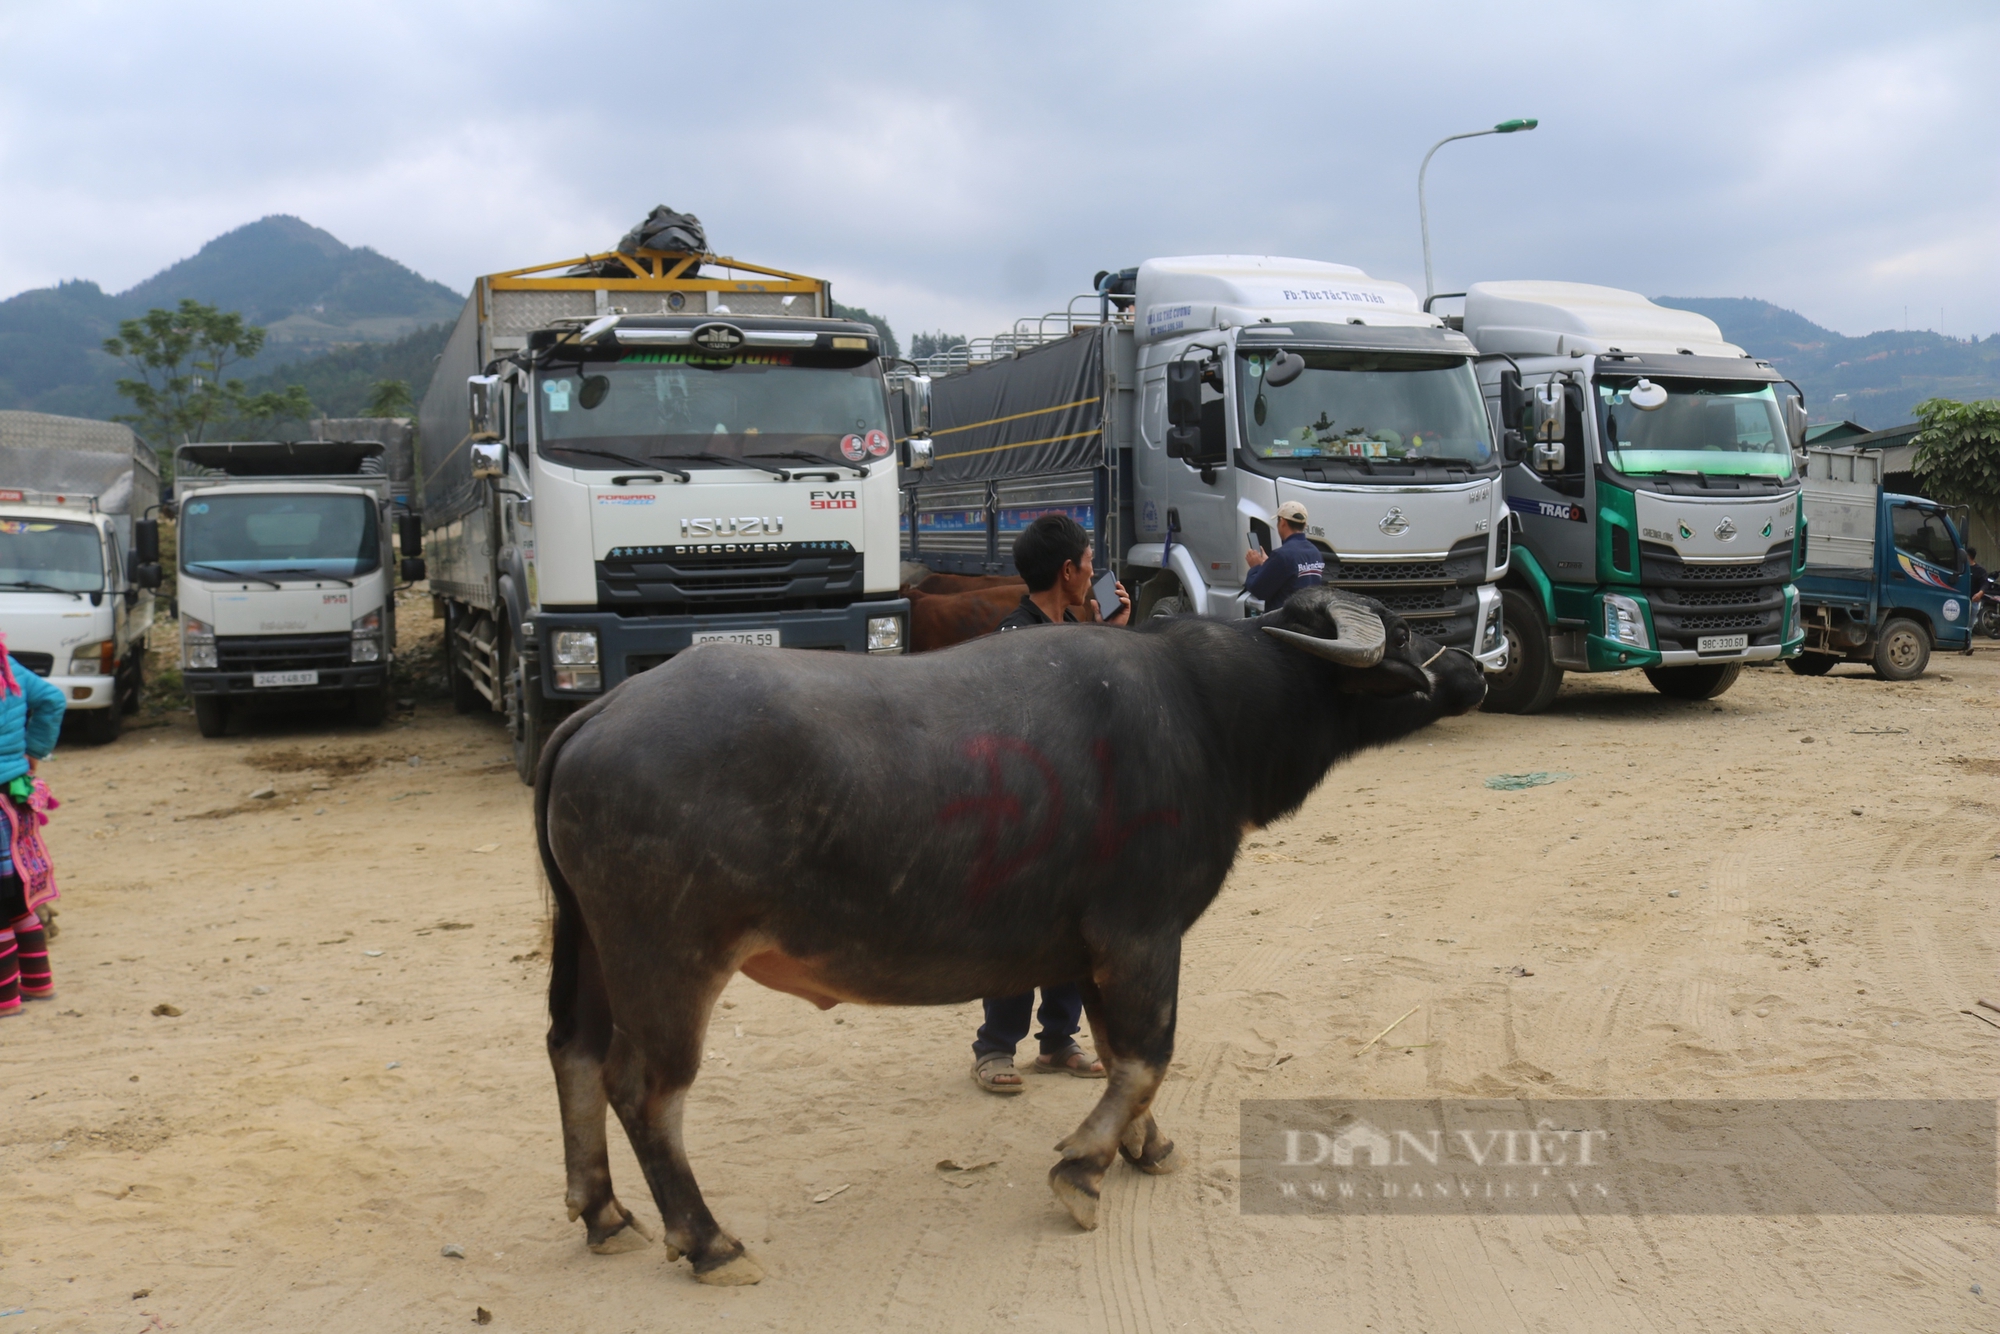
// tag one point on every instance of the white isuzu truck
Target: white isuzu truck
(1200, 394)
(628, 455)
(1653, 491)
(286, 575)
(75, 597)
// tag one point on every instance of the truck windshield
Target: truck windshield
(274, 535)
(1356, 409)
(38, 554)
(662, 404)
(1729, 428)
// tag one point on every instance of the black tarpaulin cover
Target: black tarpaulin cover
(1040, 412)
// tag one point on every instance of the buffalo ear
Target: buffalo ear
(1391, 676)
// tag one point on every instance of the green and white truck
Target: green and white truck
(1652, 489)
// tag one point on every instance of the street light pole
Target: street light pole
(1423, 215)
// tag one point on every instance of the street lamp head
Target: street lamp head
(1509, 126)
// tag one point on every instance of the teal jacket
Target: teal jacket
(29, 721)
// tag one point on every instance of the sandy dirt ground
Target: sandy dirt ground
(355, 1079)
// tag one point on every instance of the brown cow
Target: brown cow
(967, 583)
(939, 620)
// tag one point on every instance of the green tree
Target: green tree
(1958, 453)
(183, 390)
(390, 398)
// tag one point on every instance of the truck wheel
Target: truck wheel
(529, 718)
(136, 689)
(1530, 680)
(1812, 664)
(1169, 606)
(1902, 650)
(101, 726)
(1697, 682)
(371, 707)
(211, 714)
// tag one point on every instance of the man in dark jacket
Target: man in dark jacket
(1296, 564)
(1053, 557)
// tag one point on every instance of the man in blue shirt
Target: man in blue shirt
(1296, 564)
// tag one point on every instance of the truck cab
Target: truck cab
(71, 608)
(286, 577)
(1652, 491)
(1887, 577)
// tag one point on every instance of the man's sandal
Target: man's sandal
(989, 1070)
(1071, 1060)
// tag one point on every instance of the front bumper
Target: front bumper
(360, 676)
(87, 692)
(628, 645)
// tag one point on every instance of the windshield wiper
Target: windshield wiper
(303, 575)
(806, 455)
(232, 574)
(37, 587)
(616, 457)
(728, 462)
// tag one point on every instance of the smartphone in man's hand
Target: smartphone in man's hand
(1105, 590)
(1257, 543)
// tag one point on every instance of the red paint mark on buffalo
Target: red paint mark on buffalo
(998, 810)
(1111, 835)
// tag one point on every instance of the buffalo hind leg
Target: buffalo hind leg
(579, 1035)
(648, 1081)
(1132, 996)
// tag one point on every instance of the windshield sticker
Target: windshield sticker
(198, 507)
(853, 448)
(558, 392)
(708, 359)
(878, 444)
(1548, 509)
(12, 527)
(625, 498)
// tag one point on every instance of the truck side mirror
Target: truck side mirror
(919, 454)
(144, 574)
(489, 459)
(412, 569)
(917, 401)
(484, 394)
(1513, 400)
(146, 541)
(1550, 457)
(1513, 446)
(1795, 421)
(410, 534)
(1183, 409)
(1547, 416)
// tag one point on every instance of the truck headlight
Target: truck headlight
(93, 659)
(366, 645)
(1624, 622)
(197, 645)
(575, 648)
(885, 634)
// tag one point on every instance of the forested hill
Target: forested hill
(1884, 375)
(309, 290)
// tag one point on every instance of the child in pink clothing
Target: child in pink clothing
(31, 713)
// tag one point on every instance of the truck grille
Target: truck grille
(1466, 564)
(282, 653)
(1440, 599)
(41, 664)
(729, 577)
(1690, 601)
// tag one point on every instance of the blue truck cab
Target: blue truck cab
(1887, 578)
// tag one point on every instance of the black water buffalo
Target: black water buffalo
(1055, 805)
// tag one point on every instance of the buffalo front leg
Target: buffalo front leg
(648, 1079)
(579, 1035)
(1132, 997)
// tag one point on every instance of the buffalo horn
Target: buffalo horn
(1359, 643)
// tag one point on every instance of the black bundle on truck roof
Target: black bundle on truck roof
(287, 458)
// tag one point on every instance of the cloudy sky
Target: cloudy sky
(958, 165)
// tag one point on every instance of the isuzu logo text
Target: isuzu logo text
(747, 526)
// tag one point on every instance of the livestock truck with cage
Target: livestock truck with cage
(1184, 400)
(629, 455)
(1651, 486)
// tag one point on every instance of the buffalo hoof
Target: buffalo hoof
(1157, 1163)
(1075, 1186)
(617, 1232)
(738, 1271)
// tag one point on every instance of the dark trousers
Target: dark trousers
(1007, 1021)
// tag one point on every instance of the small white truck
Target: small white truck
(75, 599)
(286, 579)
